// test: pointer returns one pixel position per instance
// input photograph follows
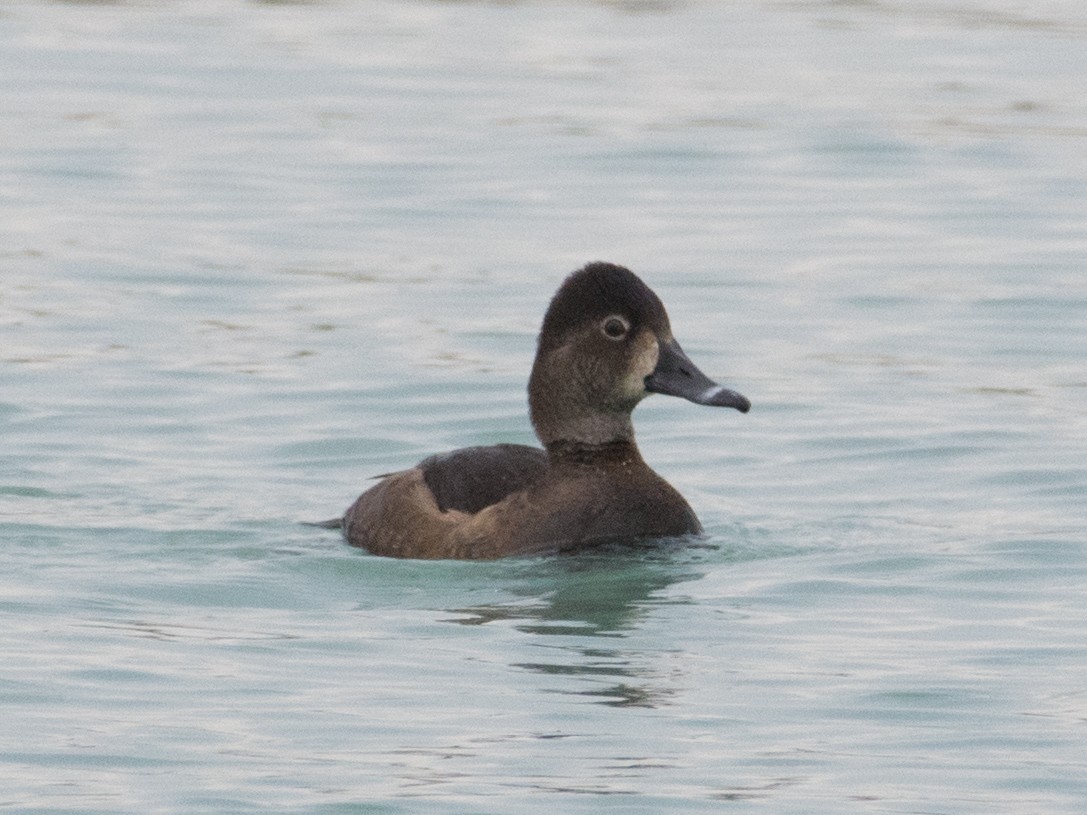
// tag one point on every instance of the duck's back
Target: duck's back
(476, 477)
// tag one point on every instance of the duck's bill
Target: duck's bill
(676, 375)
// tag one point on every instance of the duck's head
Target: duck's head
(604, 346)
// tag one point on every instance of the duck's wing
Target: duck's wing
(473, 478)
(422, 512)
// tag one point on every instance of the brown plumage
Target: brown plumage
(605, 344)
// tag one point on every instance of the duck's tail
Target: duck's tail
(335, 523)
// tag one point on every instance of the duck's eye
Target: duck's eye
(615, 327)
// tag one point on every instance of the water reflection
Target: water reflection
(617, 677)
(599, 593)
(579, 604)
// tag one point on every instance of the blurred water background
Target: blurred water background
(252, 254)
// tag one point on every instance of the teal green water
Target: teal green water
(253, 254)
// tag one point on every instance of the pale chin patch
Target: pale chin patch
(642, 365)
(648, 353)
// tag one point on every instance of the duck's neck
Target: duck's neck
(561, 415)
(566, 424)
(572, 405)
(620, 452)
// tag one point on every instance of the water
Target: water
(252, 254)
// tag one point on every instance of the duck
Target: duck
(605, 345)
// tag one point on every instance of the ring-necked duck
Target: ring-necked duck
(604, 346)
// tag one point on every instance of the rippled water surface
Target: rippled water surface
(253, 254)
